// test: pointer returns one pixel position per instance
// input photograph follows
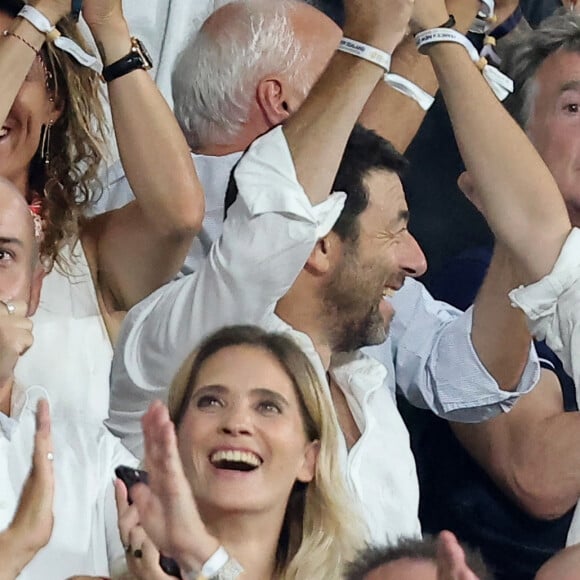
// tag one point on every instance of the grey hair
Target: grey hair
(525, 54)
(215, 78)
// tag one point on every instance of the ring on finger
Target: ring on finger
(11, 309)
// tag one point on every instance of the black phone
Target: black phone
(75, 9)
(130, 476)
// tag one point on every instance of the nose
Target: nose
(236, 420)
(411, 257)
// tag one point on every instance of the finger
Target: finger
(451, 563)
(137, 537)
(126, 521)
(43, 454)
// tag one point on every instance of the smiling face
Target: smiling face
(21, 131)
(242, 438)
(554, 123)
(372, 267)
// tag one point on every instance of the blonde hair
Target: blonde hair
(320, 533)
(77, 140)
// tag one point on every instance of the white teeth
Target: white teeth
(3, 132)
(388, 292)
(236, 457)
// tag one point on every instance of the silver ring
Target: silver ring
(50, 456)
(9, 307)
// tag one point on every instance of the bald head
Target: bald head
(18, 245)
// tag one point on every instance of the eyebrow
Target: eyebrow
(8, 241)
(570, 86)
(402, 217)
(258, 391)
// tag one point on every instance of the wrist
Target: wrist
(48, 9)
(19, 555)
(113, 40)
(195, 556)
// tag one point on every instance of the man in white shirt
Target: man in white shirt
(277, 242)
(84, 537)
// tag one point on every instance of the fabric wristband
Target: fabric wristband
(366, 52)
(43, 24)
(499, 83)
(485, 18)
(410, 89)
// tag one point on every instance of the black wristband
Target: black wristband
(449, 23)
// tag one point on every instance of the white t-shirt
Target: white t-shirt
(85, 539)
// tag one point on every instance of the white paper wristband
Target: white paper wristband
(215, 563)
(366, 52)
(410, 89)
(499, 83)
(43, 24)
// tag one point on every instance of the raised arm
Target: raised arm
(519, 197)
(393, 115)
(143, 245)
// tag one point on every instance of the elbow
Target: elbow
(540, 498)
(185, 219)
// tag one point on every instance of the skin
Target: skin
(243, 399)
(554, 123)
(116, 242)
(277, 96)
(381, 257)
(20, 282)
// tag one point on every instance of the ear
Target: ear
(35, 288)
(55, 108)
(271, 99)
(308, 469)
(323, 256)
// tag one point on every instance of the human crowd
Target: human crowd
(220, 357)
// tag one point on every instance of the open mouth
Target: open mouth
(234, 460)
(389, 292)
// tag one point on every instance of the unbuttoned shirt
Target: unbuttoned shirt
(267, 237)
(85, 538)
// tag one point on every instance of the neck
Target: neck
(6, 396)
(298, 314)
(239, 142)
(574, 214)
(252, 539)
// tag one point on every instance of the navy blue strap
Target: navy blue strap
(75, 9)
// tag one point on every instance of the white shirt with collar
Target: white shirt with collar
(267, 238)
(85, 539)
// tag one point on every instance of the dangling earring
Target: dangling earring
(45, 145)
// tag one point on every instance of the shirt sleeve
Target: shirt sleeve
(552, 307)
(436, 366)
(268, 235)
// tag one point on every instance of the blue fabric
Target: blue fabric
(456, 494)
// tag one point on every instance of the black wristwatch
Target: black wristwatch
(138, 57)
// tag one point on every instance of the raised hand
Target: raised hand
(15, 335)
(380, 23)
(99, 13)
(31, 527)
(166, 507)
(451, 563)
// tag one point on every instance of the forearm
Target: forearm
(395, 116)
(499, 333)
(153, 150)
(318, 132)
(519, 196)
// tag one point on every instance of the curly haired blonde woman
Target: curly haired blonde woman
(251, 465)
(51, 144)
